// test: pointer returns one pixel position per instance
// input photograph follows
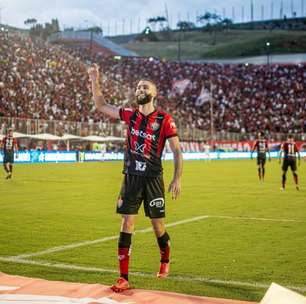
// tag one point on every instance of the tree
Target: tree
(30, 21)
(185, 25)
(227, 23)
(155, 20)
(205, 18)
(41, 31)
(147, 35)
(95, 29)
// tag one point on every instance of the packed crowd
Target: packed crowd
(42, 81)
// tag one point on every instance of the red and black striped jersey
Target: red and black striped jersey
(290, 149)
(9, 143)
(146, 137)
(261, 146)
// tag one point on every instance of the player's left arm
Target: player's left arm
(268, 151)
(280, 154)
(253, 149)
(175, 185)
(298, 154)
(16, 147)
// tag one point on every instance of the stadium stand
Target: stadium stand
(45, 82)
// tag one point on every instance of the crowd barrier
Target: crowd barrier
(74, 156)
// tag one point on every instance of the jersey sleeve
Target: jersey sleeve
(125, 114)
(170, 128)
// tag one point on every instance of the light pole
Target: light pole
(211, 103)
(179, 46)
(268, 53)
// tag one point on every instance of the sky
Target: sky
(126, 16)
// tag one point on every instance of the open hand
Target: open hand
(175, 188)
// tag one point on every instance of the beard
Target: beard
(143, 99)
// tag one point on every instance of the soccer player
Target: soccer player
(206, 147)
(290, 151)
(148, 130)
(9, 146)
(261, 146)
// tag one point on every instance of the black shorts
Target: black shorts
(261, 159)
(289, 163)
(8, 157)
(136, 189)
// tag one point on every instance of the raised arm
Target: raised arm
(175, 185)
(100, 103)
(253, 149)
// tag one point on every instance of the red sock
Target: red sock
(164, 247)
(164, 254)
(124, 257)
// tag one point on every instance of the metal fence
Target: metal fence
(186, 133)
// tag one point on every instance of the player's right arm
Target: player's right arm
(280, 153)
(268, 151)
(253, 149)
(298, 154)
(98, 97)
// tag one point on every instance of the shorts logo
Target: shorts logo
(158, 203)
(140, 166)
(119, 202)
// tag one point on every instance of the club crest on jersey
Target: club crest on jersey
(155, 126)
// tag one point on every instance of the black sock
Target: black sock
(283, 180)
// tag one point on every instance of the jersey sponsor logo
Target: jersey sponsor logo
(142, 134)
(157, 202)
(140, 166)
(139, 148)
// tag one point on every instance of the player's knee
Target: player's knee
(163, 241)
(125, 240)
(127, 224)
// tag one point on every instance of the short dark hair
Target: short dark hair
(147, 79)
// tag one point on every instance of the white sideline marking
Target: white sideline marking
(256, 218)
(147, 275)
(7, 288)
(115, 237)
(105, 239)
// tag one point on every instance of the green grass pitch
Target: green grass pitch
(254, 233)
